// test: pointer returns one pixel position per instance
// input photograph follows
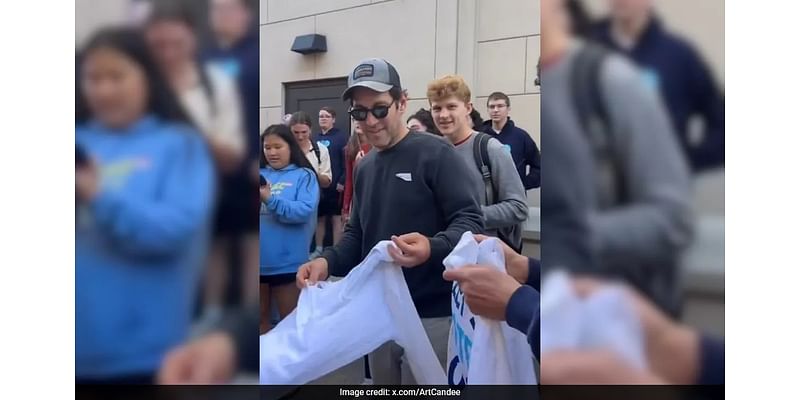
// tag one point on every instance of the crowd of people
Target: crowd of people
(166, 237)
(166, 176)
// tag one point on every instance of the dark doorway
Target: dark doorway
(310, 96)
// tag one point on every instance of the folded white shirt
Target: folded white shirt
(604, 320)
(335, 323)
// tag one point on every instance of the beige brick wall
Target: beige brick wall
(93, 14)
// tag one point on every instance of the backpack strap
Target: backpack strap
(315, 148)
(593, 113)
(205, 82)
(480, 150)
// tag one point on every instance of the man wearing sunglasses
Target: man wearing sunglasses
(413, 190)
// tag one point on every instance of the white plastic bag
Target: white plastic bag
(604, 320)
(482, 351)
(335, 323)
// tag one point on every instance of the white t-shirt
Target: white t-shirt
(323, 166)
(220, 116)
(604, 320)
(336, 323)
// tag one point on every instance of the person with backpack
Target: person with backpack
(492, 175)
(641, 220)
(300, 124)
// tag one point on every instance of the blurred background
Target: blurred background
(633, 103)
(204, 57)
(701, 27)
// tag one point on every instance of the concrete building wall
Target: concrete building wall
(93, 14)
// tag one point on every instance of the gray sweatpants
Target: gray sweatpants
(388, 364)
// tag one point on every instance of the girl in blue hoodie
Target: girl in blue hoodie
(143, 201)
(289, 199)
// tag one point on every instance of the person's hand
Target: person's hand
(412, 249)
(594, 367)
(266, 192)
(339, 187)
(486, 290)
(516, 264)
(312, 272)
(672, 349)
(87, 182)
(210, 359)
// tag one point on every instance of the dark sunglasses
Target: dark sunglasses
(379, 112)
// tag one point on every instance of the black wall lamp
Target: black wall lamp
(310, 44)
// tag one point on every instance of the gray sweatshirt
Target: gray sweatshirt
(641, 238)
(509, 210)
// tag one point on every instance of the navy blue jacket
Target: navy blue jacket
(523, 150)
(522, 311)
(241, 62)
(335, 140)
(686, 86)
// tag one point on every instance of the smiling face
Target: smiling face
(381, 133)
(451, 116)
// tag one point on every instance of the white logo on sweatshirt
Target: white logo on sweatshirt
(406, 176)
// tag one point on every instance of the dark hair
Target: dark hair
(161, 102)
(171, 12)
(329, 110)
(396, 92)
(477, 121)
(296, 155)
(425, 118)
(499, 96)
(352, 147)
(301, 117)
(580, 20)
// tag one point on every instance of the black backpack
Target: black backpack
(593, 115)
(480, 151)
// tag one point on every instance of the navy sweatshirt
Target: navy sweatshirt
(523, 150)
(241, 63)
(418, 185)
(522, 311)
(335, 140)
(686, 86)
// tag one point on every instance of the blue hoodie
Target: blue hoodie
(288, 219)
(139, 245)
(523, 150)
